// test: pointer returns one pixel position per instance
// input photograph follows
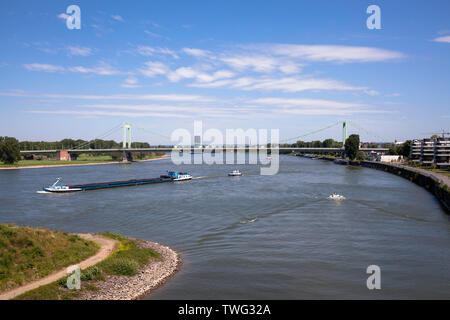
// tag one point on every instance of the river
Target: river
(257, 237)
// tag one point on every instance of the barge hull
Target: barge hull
(116, 184)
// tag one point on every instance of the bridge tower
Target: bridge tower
(344, 132)
(126, 141)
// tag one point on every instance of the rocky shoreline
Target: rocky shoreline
(153, 275)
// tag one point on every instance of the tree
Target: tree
(405, 148)
(360, 155)
(9, 150)
(434, 137)
(393, 151)
(352, 146)
(328, 143)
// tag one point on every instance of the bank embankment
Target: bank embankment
(75, 163)
(132, 269)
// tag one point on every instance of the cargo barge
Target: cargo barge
(171, 176)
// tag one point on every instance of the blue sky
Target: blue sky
(296, 66)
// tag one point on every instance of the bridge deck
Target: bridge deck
(168, 149)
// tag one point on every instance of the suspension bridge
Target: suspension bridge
(126, 149)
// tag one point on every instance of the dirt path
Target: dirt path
(107, 246)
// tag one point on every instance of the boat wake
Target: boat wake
(42, 191)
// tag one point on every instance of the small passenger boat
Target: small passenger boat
(235, 173)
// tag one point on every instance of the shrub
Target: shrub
(360, 155)
(120, 266)
(7, 231)
(91, 273)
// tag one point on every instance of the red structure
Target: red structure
(63, 155)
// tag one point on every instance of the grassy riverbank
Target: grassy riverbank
(29, 254)
(127, 260)
(83, 159)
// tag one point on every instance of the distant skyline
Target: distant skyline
(296, 66)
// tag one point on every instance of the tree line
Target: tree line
(327, 143)
(66, 144)
(10, 147)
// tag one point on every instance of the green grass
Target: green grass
(126, 261)
(128, 258)
(82, 159)
(445, 172)
(93, 157)
(26, 163)
(28, 254)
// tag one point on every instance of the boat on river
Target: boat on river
(179, 176)
(169, 177)
(235, 173)
(62, 189)
(336, 196)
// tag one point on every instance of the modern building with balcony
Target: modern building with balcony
(431, 151)
(442, 152)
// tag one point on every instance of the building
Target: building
(442, 152)
(431, 151)
(389, 158)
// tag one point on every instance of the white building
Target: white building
(388, 158)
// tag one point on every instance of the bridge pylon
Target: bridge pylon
(344, 132)
(126, 140)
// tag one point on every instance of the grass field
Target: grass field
(82, 159)
(125, 261)
(28, 254)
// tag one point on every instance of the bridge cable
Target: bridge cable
(383, 139)
(151, 132)
(104, 135)
(312, 132)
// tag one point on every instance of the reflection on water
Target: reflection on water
(268, 237)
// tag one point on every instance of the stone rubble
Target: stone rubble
(141, 284)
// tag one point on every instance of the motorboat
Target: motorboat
(235, 173)
(336, 196)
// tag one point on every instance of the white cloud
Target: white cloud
(286, 84)
(300, 102)
(79, 51)
(63, 16)
(302, 106)
(442, 39)
(150, 97)
(329, 112)
(130, 82)
(117, 18)
(202, 77)
(152, 69)
(43, 67)
(256, 63)
(196, 52)
(334, 53)
(110, 113)
(149, 51)
(103, 69)
(155, 35)
(262, 63)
